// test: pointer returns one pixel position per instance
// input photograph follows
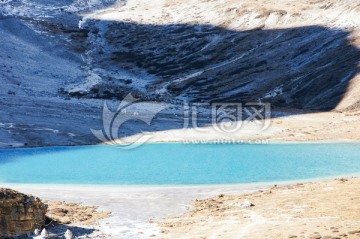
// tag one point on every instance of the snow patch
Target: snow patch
(214, 40)
(275, 92)
(90, 81)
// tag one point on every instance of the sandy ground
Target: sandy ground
(319, 209)
(326, 209)
(238, 14)
(134, 210)
(326, 126)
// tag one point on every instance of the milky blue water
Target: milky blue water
(176, 163)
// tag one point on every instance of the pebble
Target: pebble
(44, 233)
(37, 232)
(354, 231)
(315, 236)
(69, 234)
(246, 203)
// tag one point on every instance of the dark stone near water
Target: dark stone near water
(20, 214)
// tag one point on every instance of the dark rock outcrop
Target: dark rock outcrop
(20, 214)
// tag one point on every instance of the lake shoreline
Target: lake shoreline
(323, 127)
(244, 142)
(135, 211)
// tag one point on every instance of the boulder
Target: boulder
(20, 214)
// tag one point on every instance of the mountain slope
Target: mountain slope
(60, 60)
(301, 55)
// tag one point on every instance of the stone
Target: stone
(315, 236)
(44, 234)
(354, 231)
(246, 203)
(59, 212)
(69, 234)
(20, 214)
(37, 232)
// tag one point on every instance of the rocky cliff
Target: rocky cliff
(20, 214)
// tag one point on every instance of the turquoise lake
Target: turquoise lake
(179, 164)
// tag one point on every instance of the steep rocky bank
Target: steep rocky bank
(20, 214)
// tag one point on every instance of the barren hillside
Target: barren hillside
(59, 60)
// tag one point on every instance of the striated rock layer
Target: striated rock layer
(20, 214)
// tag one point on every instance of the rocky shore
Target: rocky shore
(325, 209)
(24, 216)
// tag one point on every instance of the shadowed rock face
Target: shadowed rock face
(60, 59)
(50, 47)
(306, 67)
(20, 214)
